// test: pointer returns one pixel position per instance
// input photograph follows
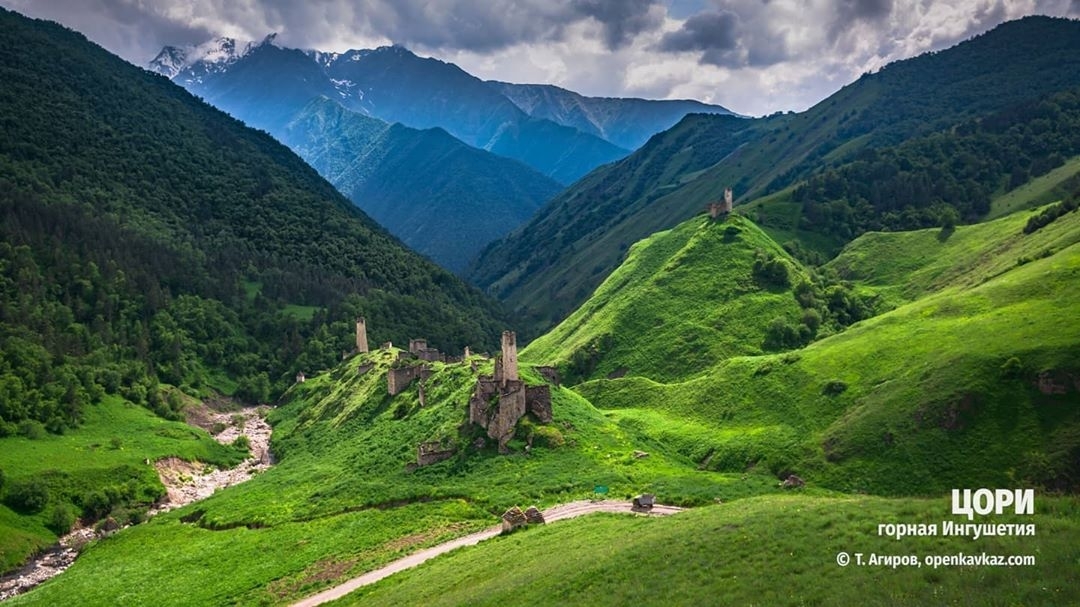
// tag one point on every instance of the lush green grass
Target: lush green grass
(302, 313)
(1038, 191)
(903, 266)
(780, 218)
(683, 300)
(110, 449)
(342, 500)
(914, 401)
(762, 551)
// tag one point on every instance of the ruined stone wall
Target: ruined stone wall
(550, 374)
(399, 378)
(417, 345)
(538, 403)
(502, 425)
(432, 453)
(480, 401)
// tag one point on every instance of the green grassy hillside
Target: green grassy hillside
(904, 266)
(971, 384)
(682, 301)
(342, 500)
(89, 471)
(761, 551)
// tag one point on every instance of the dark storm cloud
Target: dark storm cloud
(123, 27)
(715, 33)
(621, 20)
(709, 31)
(867, 9)
(137, 29)
(848, 12)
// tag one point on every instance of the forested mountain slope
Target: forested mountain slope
(149, 237)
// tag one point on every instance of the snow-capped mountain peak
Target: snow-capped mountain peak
(214, 55)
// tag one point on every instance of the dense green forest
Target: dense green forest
(148, 238)
(946, 177)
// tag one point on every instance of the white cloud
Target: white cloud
(753, 56)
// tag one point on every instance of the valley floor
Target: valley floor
(185, 482)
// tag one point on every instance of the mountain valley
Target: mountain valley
(887, 317)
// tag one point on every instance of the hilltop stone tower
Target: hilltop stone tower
(721, 208)
(509, 360)
(361, 335)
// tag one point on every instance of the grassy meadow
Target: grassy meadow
(778, 550)
(109, 450)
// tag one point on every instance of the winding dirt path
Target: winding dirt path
(555, 513)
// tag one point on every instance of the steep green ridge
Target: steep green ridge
(682, 301)
(134, 217)
(761, 551)
(444, 199)
(342, 500)
(558, 258)
(595, 220)
(973, 383)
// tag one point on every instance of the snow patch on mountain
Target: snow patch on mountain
(209, 57)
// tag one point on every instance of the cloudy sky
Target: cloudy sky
(752, 56)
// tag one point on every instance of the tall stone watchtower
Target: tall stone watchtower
(725, 208)
(509, 357)
(361, 335)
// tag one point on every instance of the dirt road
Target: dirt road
(555, 513)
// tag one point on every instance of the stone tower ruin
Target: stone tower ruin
(361, 335)
(509, 360)
(721, 208)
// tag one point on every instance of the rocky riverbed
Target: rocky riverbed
(185, 482)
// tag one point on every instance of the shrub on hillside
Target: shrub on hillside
(32, 429)
(547, 436)
(1012, 368)
(61, 518)
(30, 496)
(95, 504)
(770, 270)
(1048, 215)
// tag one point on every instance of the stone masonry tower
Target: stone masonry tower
(726, 207)
(361, 335)
(509, 357)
